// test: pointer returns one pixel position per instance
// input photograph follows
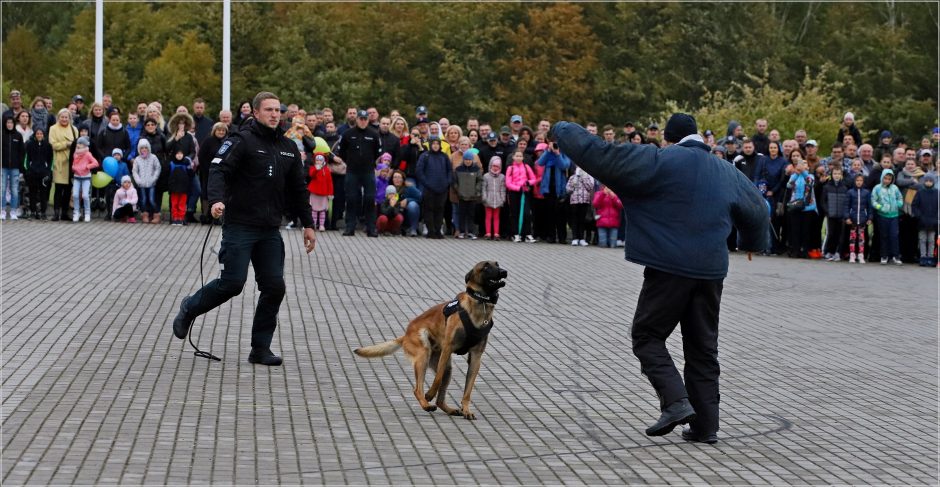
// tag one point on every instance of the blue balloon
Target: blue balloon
(110, 166)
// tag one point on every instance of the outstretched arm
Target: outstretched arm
(625, 168)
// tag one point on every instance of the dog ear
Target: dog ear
(466, 278)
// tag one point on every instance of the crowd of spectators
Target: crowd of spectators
(429, 177)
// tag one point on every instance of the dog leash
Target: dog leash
(202, 278)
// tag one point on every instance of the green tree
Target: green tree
(182, 72)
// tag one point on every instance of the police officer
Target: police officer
(360, 147)
(255, 177)
(679, 235)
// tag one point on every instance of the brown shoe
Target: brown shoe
(156, 219)
(145, 217)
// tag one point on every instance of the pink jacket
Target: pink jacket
(518, 175)
(608, 208)
(123, 197)
(83, 163)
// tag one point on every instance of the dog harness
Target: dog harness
(472, 335)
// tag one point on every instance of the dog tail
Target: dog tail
(380, 349)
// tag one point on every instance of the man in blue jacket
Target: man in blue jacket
(678, 231)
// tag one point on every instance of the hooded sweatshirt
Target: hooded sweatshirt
(38, 157)
(518, 175)
(886, 198)
(434, 171)
(13, 150)
(83, 162)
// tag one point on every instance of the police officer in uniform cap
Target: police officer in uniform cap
(255, 177)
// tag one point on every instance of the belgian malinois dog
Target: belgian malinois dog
(457, 327)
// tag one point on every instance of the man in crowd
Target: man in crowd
(760, 138)
(359, 147)
(225, 116)
(515, 125)
(866, 154)
(390, 141)
(350, 121)
(609, 135)
(203, 123)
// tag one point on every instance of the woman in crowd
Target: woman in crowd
(95, 121)
(207, 150)
(61, 136)
(40, 115)
(38, 173)
(801, 207)
(154, 112)
(24, 124)
(244, 113)
(158, 147)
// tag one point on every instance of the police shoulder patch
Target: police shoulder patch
(225, 147)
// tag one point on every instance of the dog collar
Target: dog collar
(485, 298)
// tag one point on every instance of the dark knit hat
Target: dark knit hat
(679, 126)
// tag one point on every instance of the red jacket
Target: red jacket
(321, 181)
(608, 208)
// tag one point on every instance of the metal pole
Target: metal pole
(99, 50)
(226, 54)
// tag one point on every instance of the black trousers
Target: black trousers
(665, 300)
(799, 227)
(264, 249)
(835, 233)
(433, 209)
(60, 200)
(124, 211)
(360, 200)
(465, 212)
(556, 218)
(339, 198)
(578, 222)
(38, 192)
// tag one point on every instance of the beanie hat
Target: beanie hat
(386, 157)
(381, 166)
(117, 150)
(849, 115)
(83, 141)
(930, 177)
(542, 146)
(886, 134)
(390, 189)
(468, 155)
(143, 143)
(679, 126)
(126, 179)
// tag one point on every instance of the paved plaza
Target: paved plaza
(829, 370)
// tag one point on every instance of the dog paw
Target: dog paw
(469, 415)
(430, 408)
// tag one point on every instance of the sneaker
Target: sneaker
(574, 243)
(3, 215)
(412, 233)
(582, 243)
(460, 236)
(517, 238)
(836, 258)
(264, 356)
(75, 218)
(828, 257)
(87, 217)
(13, 216)
(896, 261)
(322, 228)
(487, 236)
(131, 220)
(861, 259)
(852, 258)
(496, 236)
(884, 260)
(471, 236)
(619, 243)
(290, 225)
(529, 239)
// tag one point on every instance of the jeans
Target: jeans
(81, 187)
(195, 190)
(927, 239)
(241, 244)
(606, 237)
(412, 214)
(888, 233)
(147, 202)
(10, 182)
(360, 200)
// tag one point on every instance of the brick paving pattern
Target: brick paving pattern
(829, 371)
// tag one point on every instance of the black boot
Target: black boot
(679, 412)
(264, 356)
(688, 434)
(183, 321)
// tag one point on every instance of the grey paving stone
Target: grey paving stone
(829, 371)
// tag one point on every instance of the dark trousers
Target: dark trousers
(125, 211)
(60, 200)
(835, 230)
(433, 209)
(360, 200)
(557, 217)
(515, 207)
(888, 237)
(339, 198)
(465, 213)
(38, 193)
(665, 300)
(264, 248)
(799, 227)
(204, 196)
(907, 237)
(540, 219)
(578, 215)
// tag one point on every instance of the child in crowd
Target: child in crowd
(801, 209)
(519, 180)
(494, 196)
(608, 208)
(925, 209)
(320, 188)
(834, 196)
(410, 200)
(118, 154)
(146, 173)
(38, 172)
(82, 164)
(125, 199)
(382, 175)
(580, 188)
(181, 172)
(858, 217)
(390, 217)
(468, 183)
(887, 201)
(855, 169)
